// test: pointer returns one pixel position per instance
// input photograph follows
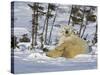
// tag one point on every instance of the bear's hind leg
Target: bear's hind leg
(69, 54)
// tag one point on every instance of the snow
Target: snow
(19, 31)
(25, 44)
(35, 60)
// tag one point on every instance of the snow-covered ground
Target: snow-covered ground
(36, 61)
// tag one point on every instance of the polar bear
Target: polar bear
(69, 45)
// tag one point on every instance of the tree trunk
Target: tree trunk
(83, 31)
(44, 25)
(46, 31)
(42, 40)
(85, 25)
(33, 26)
(95, 35)
(52, 26)
(70, 15)
(80, 30)
(36, 26)
(81, 26)
(46, 28)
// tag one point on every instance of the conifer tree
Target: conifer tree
(37, 12)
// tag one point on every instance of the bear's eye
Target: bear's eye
(66, 31)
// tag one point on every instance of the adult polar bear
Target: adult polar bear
(69, 44)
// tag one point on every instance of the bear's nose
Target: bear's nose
(66, 32)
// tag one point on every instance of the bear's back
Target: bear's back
(74, 45)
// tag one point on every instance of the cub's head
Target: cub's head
(67, 31)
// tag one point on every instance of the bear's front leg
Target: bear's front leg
(57, 52)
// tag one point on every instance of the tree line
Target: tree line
(79, 15)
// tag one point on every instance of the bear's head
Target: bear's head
(67, 31)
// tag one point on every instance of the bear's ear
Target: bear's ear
(63, 27)
(70, 27)
(66, 27)
(75, 31)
